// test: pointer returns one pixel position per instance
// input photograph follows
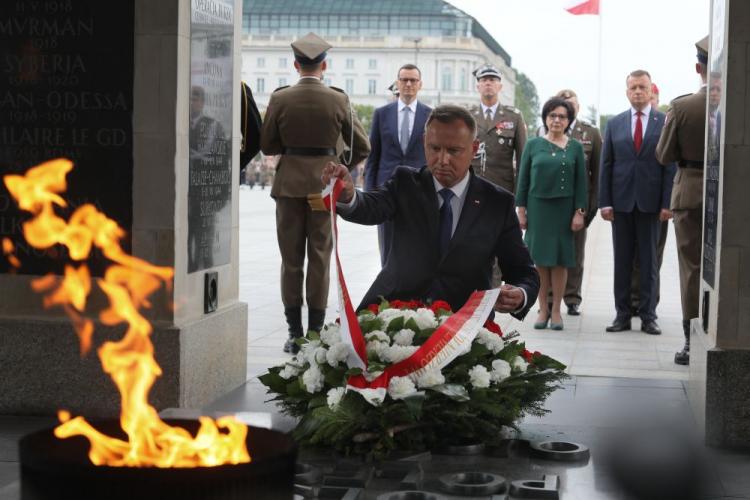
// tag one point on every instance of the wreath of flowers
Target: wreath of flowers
(492, 384)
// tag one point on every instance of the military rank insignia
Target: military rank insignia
(585, 143)
(506, 126)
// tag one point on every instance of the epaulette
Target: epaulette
(282, 88)
(681, 96)
(586, 124)
(515, 110)
(337, 89)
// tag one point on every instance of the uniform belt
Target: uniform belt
(297, 151)
(692, 164)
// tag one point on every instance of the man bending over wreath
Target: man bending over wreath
(449, 224)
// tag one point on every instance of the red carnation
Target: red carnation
(338, 321)
(526, 354)
(415, 304)
(374, 308)
(493, 327)
(438, 305)
(537, 353)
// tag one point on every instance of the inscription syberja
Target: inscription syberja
(210, 188)
(66, 90)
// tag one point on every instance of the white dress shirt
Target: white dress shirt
(413, 108)
(644, 120)
(493, 108)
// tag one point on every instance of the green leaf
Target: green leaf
(318, 401)
(412, 325)
(383, 305)
(296, 388)
(274, 382)
(371, 325)
(336, 378)
(301, 341)
(414, 403)
(455, 392)
(307, 426)
(354, 371)
(395, 325)
(313, 335)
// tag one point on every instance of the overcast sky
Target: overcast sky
(558, 50)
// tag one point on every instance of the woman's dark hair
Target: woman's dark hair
(552, 104)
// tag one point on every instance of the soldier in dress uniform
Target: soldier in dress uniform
(683, 141)
(303, 124)
(591, 139)
(501, 129)
(664, 231)
(395, 91)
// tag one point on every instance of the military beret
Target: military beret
(702, 47)
(567, 94)
(654, 89)
(486, 70)
(310, 49)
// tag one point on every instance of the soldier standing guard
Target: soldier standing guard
(683, 141)
(501, 131)
(303, 124)
(591, 139)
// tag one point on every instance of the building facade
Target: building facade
(372, 40)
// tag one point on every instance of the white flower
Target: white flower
(334, 397)
(313, 379)
(442, 319)
(316, 355)
(491, 341)
(307, 350)
(500, 370)
(289, 371)
(390, 314)
(426, 318)
(404, 337)
(331, 334)
(373, 396)
(378, 335)
(480, 377)
(338, 353)
(400, 387)
(519, 364)
(430, 378)
(396, 353)
(376, 347)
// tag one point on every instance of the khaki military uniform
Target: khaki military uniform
(683, 141)
(591, 139)
(306, 115)
(503, 138)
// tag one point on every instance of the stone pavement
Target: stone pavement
(584, 345)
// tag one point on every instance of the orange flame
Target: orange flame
(130, 362)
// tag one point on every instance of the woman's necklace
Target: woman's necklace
(553, 151)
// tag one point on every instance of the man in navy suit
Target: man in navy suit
(634, 193)
(450, 226)
(396, 139)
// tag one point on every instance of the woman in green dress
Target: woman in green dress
(551, 201)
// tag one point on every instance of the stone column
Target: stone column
(720, 338)
(132, 160)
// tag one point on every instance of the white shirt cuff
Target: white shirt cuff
(604, 208)
(523, 306)
(345, 208)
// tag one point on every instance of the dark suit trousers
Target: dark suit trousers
(385, 234)
(631, 232)
(659, 259)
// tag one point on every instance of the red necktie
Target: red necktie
(638, 136)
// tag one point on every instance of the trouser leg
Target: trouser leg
(319, 246)
(688, 230)
(623, 241)
(290, 232)
(575, 274)
(647, 228)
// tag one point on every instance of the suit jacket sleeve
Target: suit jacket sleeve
(373, 161)
(524, 171)
(514, 260)
(270, 137)
(596, 157)
(374, 207)
(605, 169)
(250, 123)
(361, 146)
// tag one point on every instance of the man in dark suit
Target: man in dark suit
(450, 226)
(396, 139)
(634, 193)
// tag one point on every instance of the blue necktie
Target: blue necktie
(446, 221)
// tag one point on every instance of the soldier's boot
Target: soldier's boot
(294, 321)
(315, 319)
(683, 357)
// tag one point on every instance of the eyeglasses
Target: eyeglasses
(553, 117)
(413, 81)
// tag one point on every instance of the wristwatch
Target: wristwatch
(581, 211)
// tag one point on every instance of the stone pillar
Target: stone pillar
(720, 338)
(111, 90)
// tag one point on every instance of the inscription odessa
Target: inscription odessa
(65, 95)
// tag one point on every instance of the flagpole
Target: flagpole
(599, 72)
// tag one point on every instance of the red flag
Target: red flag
(581, 7)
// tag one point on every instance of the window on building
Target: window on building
(349, 63)
(261, 62)
(329, 63)
(462, 79)
(447, 79)
(261, 87)
(373, 64)
(327, 82)
(282, 62)
(282, 82)
(372, 86)
(349, 86)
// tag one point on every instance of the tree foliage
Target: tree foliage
(527, 100)
(364, 113)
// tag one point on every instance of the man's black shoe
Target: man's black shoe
(574, 310)
(290, 346)
(650, 327)
(619, 325)
(682, 357)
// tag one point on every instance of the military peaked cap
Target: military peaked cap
(486, 70)
(310, 49)
(702, 47)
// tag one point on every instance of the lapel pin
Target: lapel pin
(477, 202)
